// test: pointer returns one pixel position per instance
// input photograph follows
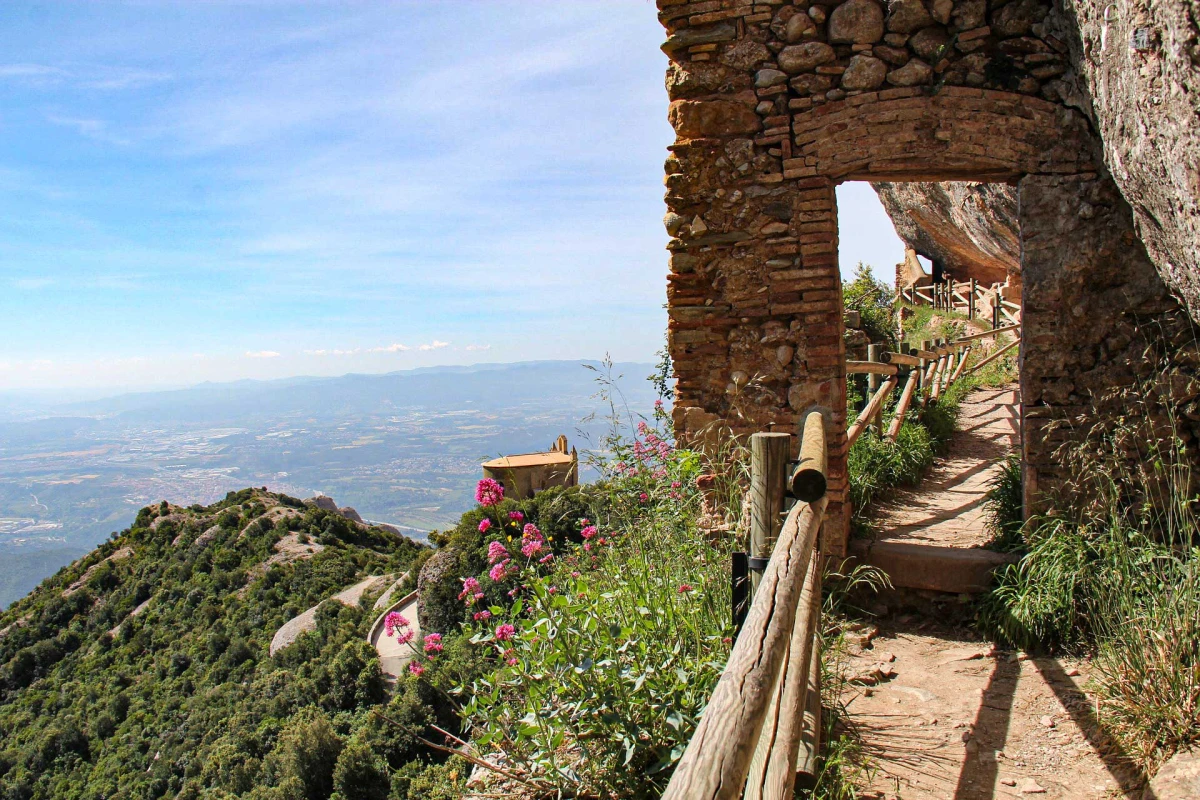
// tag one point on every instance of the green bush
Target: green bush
(874, 301)
(582, 696)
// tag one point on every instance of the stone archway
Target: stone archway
(774, 104)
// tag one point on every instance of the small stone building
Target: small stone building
(526, 474)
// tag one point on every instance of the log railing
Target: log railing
(966, 297)
(927, 373)
(761, 724)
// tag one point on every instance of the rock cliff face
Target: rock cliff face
(1139, 65)
(969, 229)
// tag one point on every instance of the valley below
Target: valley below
(402, 448)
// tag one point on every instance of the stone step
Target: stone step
(958, 570)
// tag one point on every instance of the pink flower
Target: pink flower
(675, 484)
(433, 643)
(531, 531)
(489, 492)
(553, 590)
(658, 404)
(499, 572)
(478, 615)
(505, 632)
(575, 574)
(416, 669)
(405, 636)
(470, 589)
(531, 548)
(643, 497)
(684, 588)
(588, 532)
(643, 428)
(496, 552)
(585, 521)
(512, 662)
(484, 524)
(393, 621)
(546, 559)
(587, 545)
(516, 516)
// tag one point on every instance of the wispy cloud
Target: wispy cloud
(395, 347)
(477, 347)
(32, 284)
(262, 354)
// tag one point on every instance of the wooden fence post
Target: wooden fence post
(874, 352)
(768, 479)
(971, 300)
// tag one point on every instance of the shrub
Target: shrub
(582, 696)
(1005, 507)
(875, 303)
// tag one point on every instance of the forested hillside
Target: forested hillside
(142, 670)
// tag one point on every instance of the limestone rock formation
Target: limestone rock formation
(1140, 77)
(969, 229)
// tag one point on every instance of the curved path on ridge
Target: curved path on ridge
(307, 621)
(394, 656)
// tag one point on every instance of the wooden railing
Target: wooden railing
(926, 372)
(761, 725)
(966, 297)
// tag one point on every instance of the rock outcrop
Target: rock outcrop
(1137, 76)
(968, 229)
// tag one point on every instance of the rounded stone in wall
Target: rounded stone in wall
(811, 84)
(806, 57)
(896, 56)
(864, 73)
(928, 41)
(856, 22)
(799, 26)
(906, 16)
(914, 73)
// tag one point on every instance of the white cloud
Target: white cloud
(32, 283)
(477, 347)
(261, 354)
(391, 348)
(434, 345)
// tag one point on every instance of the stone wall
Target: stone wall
(1097, 319)
(773, 103)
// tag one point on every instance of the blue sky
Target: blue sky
(215, 190)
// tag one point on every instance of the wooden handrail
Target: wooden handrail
(873, 367)
(717, 759)
(762, 703)
(808, 480)
(985, 334)
(994, 356)
(868, 413)
(902, 406)
(904, 360)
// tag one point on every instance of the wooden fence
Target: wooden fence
(762, 723)
(926, 373)
(966, 297)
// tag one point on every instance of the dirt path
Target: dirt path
(944, 715)
(957, 719)
(947, 508)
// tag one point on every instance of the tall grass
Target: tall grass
(1005, 507)
(1115, 571)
